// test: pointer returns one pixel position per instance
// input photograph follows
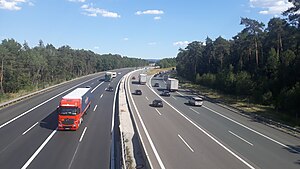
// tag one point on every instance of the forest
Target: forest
(25, 68)
(261, 62)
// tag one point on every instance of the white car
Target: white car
(196, 101)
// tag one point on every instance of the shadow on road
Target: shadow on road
(50, 122)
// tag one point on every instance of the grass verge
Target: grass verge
(243, 103)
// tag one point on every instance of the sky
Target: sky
(147, 29)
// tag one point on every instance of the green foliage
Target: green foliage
(28, 68)
(263, 63)
(166, 62)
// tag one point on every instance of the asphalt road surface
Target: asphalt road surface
(183, 136)
(28, 135)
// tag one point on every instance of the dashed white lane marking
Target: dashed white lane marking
(81, 137)
(39, 150)
(240, 137)
(158, 112)
(186, 143)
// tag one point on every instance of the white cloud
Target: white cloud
(125, 39)
(181, 43)
(76, 0)
(157, 18)
(96, 47)
(152, 43)
(271, 6)
(150, 12)
(89, 10)
(13, 5)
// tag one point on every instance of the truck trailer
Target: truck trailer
(72, 107)
(142, 79)
(108, 76)
(172, 84)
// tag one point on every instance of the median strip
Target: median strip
(240, 137)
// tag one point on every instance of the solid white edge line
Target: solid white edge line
(38, 150)
(95, 108)
(26, 112)
(267, 137)
(194, 110)
(112, 147)
(206, 133)
(81, 137)
(185, 143)
(240, 137)
(114, 106)
(158, 111)
(97, 87)
(147, 134)
(30, 128)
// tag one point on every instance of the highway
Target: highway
(183, 136)
(29, 138)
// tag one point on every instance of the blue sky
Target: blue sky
(135, 28)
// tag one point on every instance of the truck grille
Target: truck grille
(68, 122)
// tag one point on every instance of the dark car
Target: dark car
(157, 103)
(156, 85)
(110, 89)
(165, 93)
(133, 78)
(138, 92)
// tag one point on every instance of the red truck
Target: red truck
(72, 107)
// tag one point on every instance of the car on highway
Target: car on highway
(110, 89)
(138, 92)
(165, 93)
(156, 85)
(157, 103)
(195, 101)
(133, 78)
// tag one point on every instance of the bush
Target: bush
(244, 84)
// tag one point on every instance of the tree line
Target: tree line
(260, 62)
(166, 62)
(25, 68)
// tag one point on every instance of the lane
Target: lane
(16, 149)
(165, 129)
(262, 150)
(90, 146)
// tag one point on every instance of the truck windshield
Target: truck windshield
(67, 111)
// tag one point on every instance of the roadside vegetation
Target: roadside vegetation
(24, 69)
(258, 69)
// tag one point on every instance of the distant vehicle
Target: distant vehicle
(156, 85)
(119, 73)
(113, 74)
(72, 107)
(138, 92)
(157, 103)
(165, 93)
(196, 101)
(142, 79)
(156, 75)
(110, 89)
(133, 78)
(87, 86)
(108, 76)
(172, 84)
